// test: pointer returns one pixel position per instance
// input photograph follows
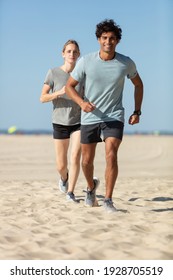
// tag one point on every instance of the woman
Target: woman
(65, 119)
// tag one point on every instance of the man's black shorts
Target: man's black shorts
(92, 133)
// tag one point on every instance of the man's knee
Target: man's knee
(111, 157)
(86, 163)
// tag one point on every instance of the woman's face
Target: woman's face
(71, 53)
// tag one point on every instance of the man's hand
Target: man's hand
(87, 106)
(133, 119)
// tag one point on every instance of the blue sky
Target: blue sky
(33, 32)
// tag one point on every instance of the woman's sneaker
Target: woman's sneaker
(63, 185)
(71, 197)
(90, 199)
(108, 206)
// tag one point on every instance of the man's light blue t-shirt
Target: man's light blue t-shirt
(104, 83)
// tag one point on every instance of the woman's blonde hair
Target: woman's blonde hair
(70, 42)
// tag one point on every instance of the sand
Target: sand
(38, 224)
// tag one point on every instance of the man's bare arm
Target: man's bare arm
(73, 94)
(138, 97)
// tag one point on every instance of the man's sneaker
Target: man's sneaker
(90, 199)
(108, 206)
(71, 197)
(63, 185)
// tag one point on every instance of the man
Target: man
(104, 74)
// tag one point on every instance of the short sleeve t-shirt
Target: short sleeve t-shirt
(104, 83)
(65, 110)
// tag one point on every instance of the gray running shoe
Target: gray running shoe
(108, 206)
(90, 199)
(63, 185)
(71, 197)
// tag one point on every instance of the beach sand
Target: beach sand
(37, 223)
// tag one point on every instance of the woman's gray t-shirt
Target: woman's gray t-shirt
(65, 110)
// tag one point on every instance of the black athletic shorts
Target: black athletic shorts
(93, 133)
(64, 131)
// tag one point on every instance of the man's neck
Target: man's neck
(107, 56)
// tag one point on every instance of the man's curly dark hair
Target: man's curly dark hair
(108, 25)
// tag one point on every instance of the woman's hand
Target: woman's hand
(60, 92)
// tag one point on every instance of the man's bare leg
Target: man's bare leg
(88, 154)
(111, 148)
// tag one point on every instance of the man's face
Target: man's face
(108, 42)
